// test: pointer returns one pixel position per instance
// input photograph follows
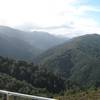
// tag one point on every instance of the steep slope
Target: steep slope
(25, 45)
(16, 48)
(38, 39)
(77, 60)
(13, 45)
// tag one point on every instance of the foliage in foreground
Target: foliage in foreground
(82, 95)
(25, 77)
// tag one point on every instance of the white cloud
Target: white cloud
(56, 16)
(43, 12)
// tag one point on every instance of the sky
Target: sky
(59, 17)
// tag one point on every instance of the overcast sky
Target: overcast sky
(61, 17)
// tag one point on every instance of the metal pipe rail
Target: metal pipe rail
(8, 93)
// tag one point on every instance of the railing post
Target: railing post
(7, 97)
(15, 98)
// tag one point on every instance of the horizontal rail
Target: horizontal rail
(8, 93)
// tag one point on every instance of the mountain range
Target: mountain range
(25, 45)
(77, 60)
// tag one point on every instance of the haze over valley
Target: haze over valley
(26, 45)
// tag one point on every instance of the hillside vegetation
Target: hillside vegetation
(86, 95)
(77, 60)
(25, 77)
(70, 71)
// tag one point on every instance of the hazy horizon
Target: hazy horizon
(58, 17)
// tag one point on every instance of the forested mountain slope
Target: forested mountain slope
(25, 77)
(25, 45)
(77, 60)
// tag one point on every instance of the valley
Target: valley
(67, 68)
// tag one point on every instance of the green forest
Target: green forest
(25, 77)
(69, 71)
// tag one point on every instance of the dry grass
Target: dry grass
(89, 95)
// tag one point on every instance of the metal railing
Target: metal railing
(7, 94)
